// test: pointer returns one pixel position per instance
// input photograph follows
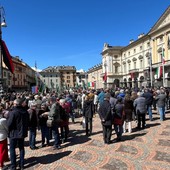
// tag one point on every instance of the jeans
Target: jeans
(162, 113)
(88, 123)
(56, 135)
(32, 137)
(118, 130)
(149, 109)
(45, 134)
(141, 118)
(107, 132)
(14, 143)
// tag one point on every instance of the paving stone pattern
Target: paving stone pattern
(145, 149)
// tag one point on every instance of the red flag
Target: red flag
(7, 57)
(105, 77)
(132, 75)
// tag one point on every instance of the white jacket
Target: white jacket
(3, 129)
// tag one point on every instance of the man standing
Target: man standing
(140, 107)
(106, 118)
(149, 100)
(54, 114)
(18, 129)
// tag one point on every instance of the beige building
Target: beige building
(95, 80)
(136, 64)
(59, 78)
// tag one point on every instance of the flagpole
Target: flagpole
(163, 69)
(2, 24)
(150, 59)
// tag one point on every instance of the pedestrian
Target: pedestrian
(106, 118)
(128, 110)
(42, 122)
(54, 114)
(161, 101)
(33, 122)
(3, 139)
(64, 124)
(88, 111)
(118, 118)
(141, 108)
(149, 101)
(17, 122)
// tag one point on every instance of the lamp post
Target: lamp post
(2, 24)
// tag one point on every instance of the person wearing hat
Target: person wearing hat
(106, 118)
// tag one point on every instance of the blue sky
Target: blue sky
(73, 32)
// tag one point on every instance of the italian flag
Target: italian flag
(159, 71)
(90, 84)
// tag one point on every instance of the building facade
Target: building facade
(144, 62)
(59, 78)
(95, 80)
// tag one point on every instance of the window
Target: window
(161, 39)
(68, 73)
(134, 50)
(56, 80)
(68, 81)
(124, 68)
(129, 66)
(134, 64)
(148, 44)
(116, 69)
(4, 74)
(141, 47)
(68, 77)
(141, 63)
(129, 53)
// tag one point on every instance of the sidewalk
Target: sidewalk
(145, 149)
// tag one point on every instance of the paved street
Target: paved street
(145, 149)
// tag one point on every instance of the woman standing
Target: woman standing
(128, 109)
(88, 111)
(118, 118)
(3, 140)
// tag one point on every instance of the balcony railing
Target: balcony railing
(134, 70)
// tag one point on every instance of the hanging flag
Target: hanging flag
(7, 57)
(105, 77)
(159, 71)
(132, 75)
(163, 56)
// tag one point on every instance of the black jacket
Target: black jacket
(88, 109)
(18, 122)
(105, 113)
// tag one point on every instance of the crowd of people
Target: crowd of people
(22, 114)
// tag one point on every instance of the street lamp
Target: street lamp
(2, 24)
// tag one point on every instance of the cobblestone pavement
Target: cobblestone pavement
(141, 150)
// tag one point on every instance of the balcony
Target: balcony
(134, 70)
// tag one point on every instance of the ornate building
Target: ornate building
(139, 63)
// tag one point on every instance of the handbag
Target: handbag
(50, 122)
(84, 123)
